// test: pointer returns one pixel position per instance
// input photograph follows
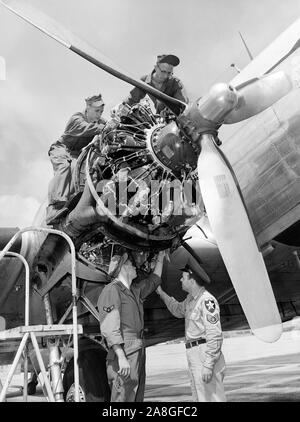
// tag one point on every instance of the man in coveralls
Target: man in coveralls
(121, 312)
(203, 337)
(79, 132)
(162, 79)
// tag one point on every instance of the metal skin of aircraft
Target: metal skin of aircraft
(247, 207)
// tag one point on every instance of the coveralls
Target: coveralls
(122, 322)
(202, 321)
(63, 154)
(171, 86)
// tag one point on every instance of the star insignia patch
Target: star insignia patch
(109, 308)
(213, 319)
(210, 305)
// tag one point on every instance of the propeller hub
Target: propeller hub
(208, 113)
(169, 150)
(220, 100)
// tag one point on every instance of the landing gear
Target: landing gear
(93, 384)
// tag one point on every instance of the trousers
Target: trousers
(131, 389)
(62, 185)
(201, 391)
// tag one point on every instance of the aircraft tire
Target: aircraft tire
(93, 384)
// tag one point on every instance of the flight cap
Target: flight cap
(168, 58)
(94, 101)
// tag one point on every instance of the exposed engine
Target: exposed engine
(142, 176)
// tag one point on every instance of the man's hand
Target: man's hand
(112, 124)
(159, 263)
(121, 109)
(161, 255)
(206, 374)
(124, 367)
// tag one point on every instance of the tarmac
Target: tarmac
(255, 372)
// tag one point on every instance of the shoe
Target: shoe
(54, 215)
(31, 387)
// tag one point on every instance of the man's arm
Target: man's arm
(176, 308)
(214, 338)
(109, 304)
(136, 94)
(124, 366)
(150, 283)
(77, 126)
(179, 91)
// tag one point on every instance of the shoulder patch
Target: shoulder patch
(213, 319)
(108, 308)
(210, 305)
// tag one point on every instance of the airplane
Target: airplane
(239, 141)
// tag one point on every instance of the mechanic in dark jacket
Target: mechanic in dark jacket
(79, 132)
(162, 79)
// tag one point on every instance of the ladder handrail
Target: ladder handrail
(74, 290)
(21, 257)
(27, 287)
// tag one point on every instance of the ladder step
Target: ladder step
(40, 331)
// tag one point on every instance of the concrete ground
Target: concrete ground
(256, 371)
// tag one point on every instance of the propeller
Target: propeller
(222, 195)
(223, 199)
(219, 187)
(56, 31)
(236, 242)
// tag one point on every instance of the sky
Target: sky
(46, 83)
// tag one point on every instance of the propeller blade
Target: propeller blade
(235, 239)
(256, 95)
(56, 31)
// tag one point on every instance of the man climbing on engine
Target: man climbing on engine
(79, 132)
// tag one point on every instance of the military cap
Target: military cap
(195, 270)
(95, 101)
(168, 58)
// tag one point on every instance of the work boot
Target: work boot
(31, 386)
(55, 213)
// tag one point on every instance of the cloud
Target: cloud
(17, 211)
(36, 177)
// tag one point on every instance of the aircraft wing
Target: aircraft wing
(271, 57)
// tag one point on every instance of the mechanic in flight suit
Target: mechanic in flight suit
(121, 315)
(203, 336)
(79, 132)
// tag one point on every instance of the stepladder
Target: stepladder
(27, 334)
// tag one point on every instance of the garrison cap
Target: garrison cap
(168, 58)
(95, 101)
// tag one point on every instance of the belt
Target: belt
(193, 343)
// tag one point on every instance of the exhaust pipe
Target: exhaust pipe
(83, 215)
